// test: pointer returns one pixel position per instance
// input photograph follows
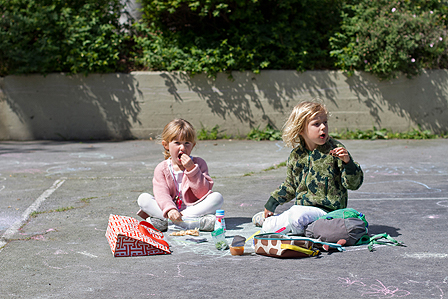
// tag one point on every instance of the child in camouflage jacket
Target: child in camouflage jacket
(319, 172)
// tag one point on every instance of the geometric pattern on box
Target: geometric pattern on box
(129, 237)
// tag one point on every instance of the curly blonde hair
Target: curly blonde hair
(178, 128)
(298, 120)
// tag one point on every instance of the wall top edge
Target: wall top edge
(133, 73)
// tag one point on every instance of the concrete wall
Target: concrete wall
(138, 105)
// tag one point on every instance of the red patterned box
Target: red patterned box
(129, 237)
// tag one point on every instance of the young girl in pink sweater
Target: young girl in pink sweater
(181, 183)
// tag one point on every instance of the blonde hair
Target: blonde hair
(178, 128)
(298, 120)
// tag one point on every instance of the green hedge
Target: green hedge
(384, 37)
(215, 36)
(43, 36)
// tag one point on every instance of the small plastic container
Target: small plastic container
(237, 250)
(219, 238)
(188, 223)
(237, 246)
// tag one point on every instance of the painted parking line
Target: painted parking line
(26, 215)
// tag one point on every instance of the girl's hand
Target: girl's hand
(340, 153)
(186, 161)
(174, 215)
(267, 213)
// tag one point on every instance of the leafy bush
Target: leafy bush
(215, 36)
(385, 37)
(386, 134)
(268, 133)
(43, 36)
(213, 134)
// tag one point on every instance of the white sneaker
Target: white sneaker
(160, 224)
(258, 219)
(207, 223)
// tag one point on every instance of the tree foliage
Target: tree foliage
(383, 37)
(388, 37)
(214, 35)
(43, 36)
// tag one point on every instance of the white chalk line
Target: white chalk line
(2, 187)
(86, 254)
(26, 215)
(398, 198)
(426, 255)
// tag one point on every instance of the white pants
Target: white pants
(208, 205)
(293, 220)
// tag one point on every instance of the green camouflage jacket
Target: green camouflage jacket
(317, 179)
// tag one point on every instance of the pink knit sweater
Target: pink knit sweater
(196, 185)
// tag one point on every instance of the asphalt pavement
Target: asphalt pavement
(56, 198)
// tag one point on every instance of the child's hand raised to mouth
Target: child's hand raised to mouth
(186, 161)
(340, 153)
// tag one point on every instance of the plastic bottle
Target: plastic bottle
(220, 222)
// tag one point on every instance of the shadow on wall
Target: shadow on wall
(422, 100)
(74, 107)
(252, 99)
(108, 106)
